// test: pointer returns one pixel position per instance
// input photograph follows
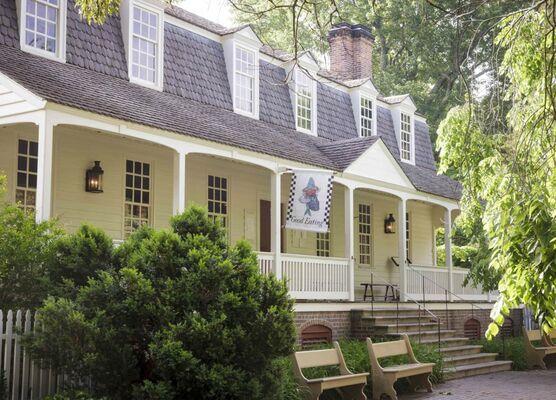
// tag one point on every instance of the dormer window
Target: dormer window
(143, 31)
(245, 80)
(42, 28)
(366, 127)
(305, 102)
(406, 138)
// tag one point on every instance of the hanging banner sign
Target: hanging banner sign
(309, 202)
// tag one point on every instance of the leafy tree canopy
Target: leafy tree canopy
(507, 169)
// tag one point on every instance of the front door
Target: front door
(265, 232)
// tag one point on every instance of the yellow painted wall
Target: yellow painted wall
(75, 150)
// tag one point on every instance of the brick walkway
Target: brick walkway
(511, 385)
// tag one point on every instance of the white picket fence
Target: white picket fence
(25, 379)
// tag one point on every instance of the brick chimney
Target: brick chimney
(351, 51)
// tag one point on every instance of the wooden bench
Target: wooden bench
(383, 378)
(388, 287)
(349, 385)
(534, 356)
(548, 339)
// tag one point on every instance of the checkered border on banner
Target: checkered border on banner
(292, 197)
(328, 202)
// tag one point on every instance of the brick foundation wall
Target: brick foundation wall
(348, 324)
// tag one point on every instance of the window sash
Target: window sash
(144, 44)
(218, 199)
(365, 234)
(44, 16)
(366, 117)
(26, 175)
(323, 244)
(137, 196)
(304, 100)
(405, 137)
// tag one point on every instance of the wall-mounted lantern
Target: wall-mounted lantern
(390, 224)
(93, 179)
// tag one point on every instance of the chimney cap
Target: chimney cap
(355, 30)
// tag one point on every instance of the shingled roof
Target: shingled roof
(196, 99)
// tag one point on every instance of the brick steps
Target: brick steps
(404, 327)
(464, 371)
(452, 351)
(468, 359)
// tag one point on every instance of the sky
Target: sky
(214, 10)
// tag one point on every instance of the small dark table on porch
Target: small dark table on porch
(389, 288)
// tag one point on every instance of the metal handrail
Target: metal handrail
(446, 292)
(419, 305)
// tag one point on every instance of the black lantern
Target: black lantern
(93, 179)
(390, 224)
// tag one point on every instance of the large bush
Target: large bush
(25, 248)
(177, 314)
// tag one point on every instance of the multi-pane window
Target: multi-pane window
(323, 244)
(405, 137)
(407, 237)
(145, 42)
(244, 80)
(26, 182)
(365, 226)
(304, 96)
(137, 195)
(42, 19)
(366, 117)
(218, 199)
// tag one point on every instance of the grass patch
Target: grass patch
(510, 349)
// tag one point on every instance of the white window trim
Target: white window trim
(255, 51)
(313, 131)
(60, 54)
(373, 110)
(412, 137)
(159, 76)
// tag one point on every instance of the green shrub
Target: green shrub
(508, 349)
(170, 315)
(25, 248)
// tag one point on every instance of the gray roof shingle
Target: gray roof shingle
(275, 104)
(99, 48)
(195, 68)
(334, 114)
(197, 99)
(9, 35)
(345, 152)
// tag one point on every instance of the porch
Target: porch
(248, 193)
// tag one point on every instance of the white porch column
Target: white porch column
(179, 182)
(43, 201)
(276, 221)
(402, 210)
(350, 240)
(448, 247)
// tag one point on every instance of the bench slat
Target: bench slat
(389, 349)
(534, 335)
(317, 358)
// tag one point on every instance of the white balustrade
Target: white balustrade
(436, 280)
(310, 277)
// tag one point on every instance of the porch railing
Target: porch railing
(311, 277)
(433, 280)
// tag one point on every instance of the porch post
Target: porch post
(276, 221)
(179, 181)
(448, 247)
(43, 201)
(349, 234)
(402, 210)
